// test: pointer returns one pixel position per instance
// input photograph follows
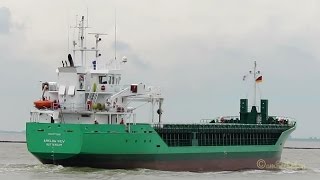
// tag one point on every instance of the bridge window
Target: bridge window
(109, 79)
(103, 80)
(117, 79)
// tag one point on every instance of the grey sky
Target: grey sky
(4, 20)
(197, 51)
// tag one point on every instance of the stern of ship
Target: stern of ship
(53, 142)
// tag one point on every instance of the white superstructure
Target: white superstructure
(87, 94)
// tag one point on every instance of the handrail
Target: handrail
(220, 126)
(221, 119)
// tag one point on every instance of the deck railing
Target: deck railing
(236, 120)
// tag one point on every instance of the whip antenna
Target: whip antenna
(87, 16)
(115, 34)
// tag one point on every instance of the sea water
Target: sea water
(17, 163)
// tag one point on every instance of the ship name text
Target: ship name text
(54, 142)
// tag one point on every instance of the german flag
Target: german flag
(259, 79)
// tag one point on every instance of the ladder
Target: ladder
(95, 97)
(90, 96)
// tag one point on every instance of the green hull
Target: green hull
(117, 146)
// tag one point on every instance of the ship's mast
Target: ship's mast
(96, 49)
(255, 76)
(81, 38)
(81, 28)
(115, 34)
(98, 39)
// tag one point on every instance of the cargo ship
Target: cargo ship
(88, 119)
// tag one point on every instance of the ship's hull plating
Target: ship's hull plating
(167, 164)
(112, 147)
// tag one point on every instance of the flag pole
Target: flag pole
(255, 83)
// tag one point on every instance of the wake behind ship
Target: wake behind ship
(87, 119)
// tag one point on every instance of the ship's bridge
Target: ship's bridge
(105, 80)
(92, 93)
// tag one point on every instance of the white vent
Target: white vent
(71, 90)
(62, 90)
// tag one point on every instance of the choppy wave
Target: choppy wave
(27, 167)
(296, 166)
(316, 170)
(38, 171)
